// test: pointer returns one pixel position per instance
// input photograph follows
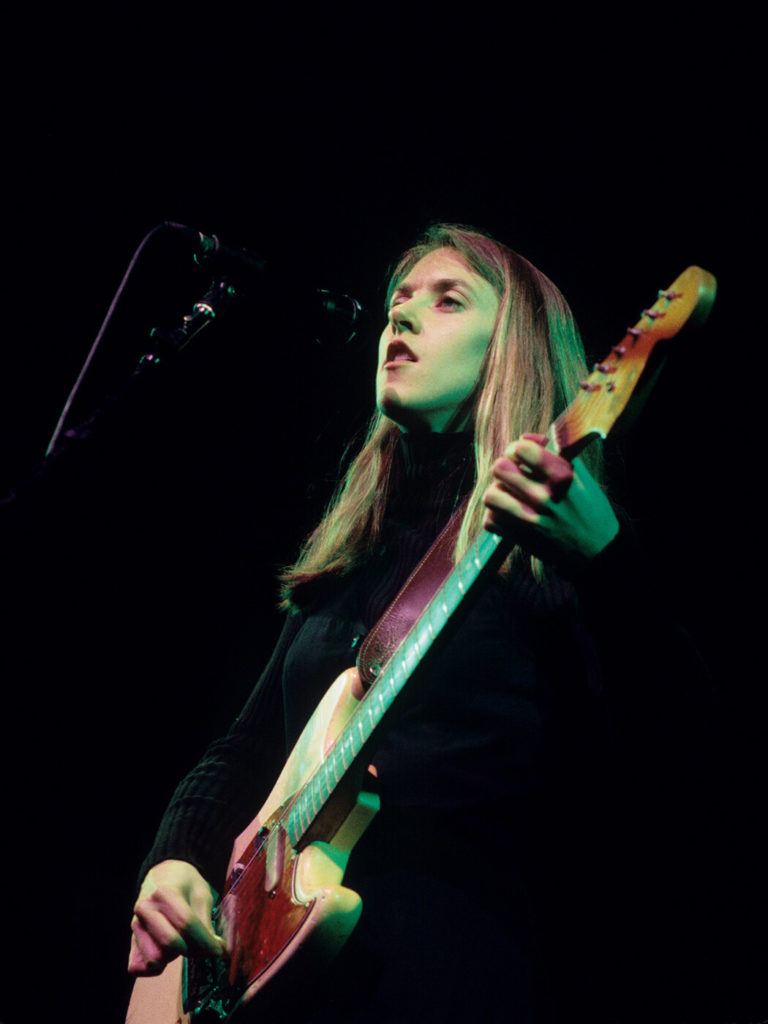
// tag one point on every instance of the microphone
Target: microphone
(248, 270)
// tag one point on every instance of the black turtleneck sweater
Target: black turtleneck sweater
(487, 782)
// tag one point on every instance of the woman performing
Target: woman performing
(480, 874)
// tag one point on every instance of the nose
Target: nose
(403, 318)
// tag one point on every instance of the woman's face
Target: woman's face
(441, 319)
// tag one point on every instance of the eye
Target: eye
(450, 302)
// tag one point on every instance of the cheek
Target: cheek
(459, 377)
(382, 347)
(474, 356)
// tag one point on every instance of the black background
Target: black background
(139, 601)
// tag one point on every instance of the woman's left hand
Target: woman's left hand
(551, 506)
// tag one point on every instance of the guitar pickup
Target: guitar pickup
(275, 858)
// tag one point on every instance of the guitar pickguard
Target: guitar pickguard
(259, 916)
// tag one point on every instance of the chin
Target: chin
(391, 405)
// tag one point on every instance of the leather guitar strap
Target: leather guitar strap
(414, 596)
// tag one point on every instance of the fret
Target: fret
(430, 630)
(416, 646)
(370, 711)
(349, 737)
(290, 828)
(297, 817)
(426, 635)
(312, 799)
(311, 794)
(307, 816)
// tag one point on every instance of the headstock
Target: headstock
(607, 392)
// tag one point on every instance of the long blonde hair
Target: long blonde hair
(531, 370)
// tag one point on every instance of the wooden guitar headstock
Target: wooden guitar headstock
(611, 390)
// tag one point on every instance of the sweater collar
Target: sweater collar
(428, 456)
(432, 473)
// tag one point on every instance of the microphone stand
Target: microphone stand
(168, 344)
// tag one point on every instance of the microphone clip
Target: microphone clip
(215, 301)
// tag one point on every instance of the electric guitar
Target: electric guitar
(283, 903)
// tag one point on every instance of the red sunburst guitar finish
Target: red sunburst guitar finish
(284, 905)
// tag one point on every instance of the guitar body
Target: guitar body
(282, 908)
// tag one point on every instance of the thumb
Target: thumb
(538, 438)
(202, 905)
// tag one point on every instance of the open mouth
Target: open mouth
(398, 352)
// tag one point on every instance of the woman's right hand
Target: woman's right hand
(172, 917)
